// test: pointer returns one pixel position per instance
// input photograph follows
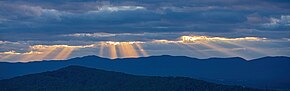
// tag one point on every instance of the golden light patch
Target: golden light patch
(40, 52)
(113, 51)
(127, 50)
(63, 54)
(124, 49)
(31, 56)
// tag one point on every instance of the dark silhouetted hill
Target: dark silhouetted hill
(76, 78)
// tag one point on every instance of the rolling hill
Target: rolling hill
(77, 78)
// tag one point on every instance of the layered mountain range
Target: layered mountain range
(264, 73)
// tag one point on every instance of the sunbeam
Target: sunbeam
(247, 47)
(218, 48)
(128, 50)
(122, 49)
(209, 42)
(144, 53)
(6, 56)
(194, 49)
(192, 45)
(47, 52)
(101, 52)
(113, 51)
(65, 52)
(31, 56)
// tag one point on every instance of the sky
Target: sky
(35, 30)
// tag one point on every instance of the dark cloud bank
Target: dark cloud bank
(47, 20)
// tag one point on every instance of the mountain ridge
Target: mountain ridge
(94, 56)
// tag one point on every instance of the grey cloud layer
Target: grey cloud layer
(47, 20)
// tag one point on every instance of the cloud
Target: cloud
(10, 53)
(91, 35)
(28, 19)
(284, 21)
(123, 36)
(198, 39)
(84, 22)
(18, 53)
(40, 47)
(120, 8)
(97, 35)
(8, 42)
(206, 38)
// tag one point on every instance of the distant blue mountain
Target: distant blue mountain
(266, 72)
(76, 78)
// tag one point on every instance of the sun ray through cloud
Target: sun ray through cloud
(65, 52)
(113, 52)
(218, 48)
(256, 50)
(6, 57)
(124, 49)
(195, 49)
(210, 43)
(101, 50)
(128, 49)
(31, 56)
(41, 52)
(195, 46)
(143, 52)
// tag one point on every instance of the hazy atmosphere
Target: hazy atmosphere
(35, 30)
